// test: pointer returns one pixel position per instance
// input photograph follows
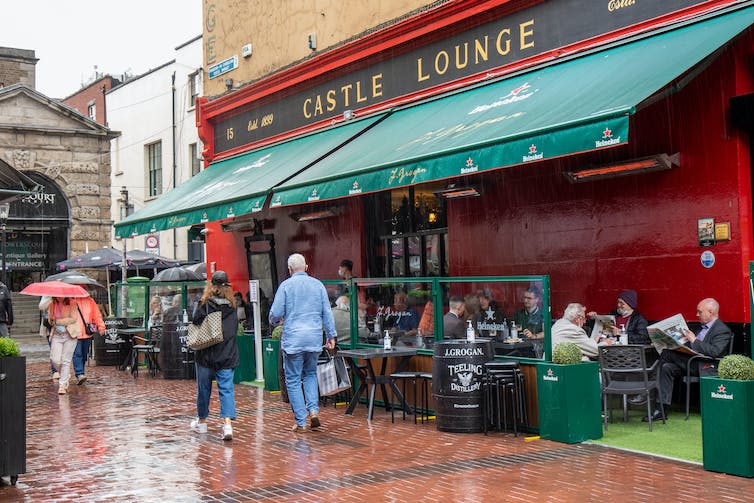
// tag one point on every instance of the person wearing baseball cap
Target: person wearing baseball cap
(217, 362)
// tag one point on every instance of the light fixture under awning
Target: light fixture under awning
(236, 186)
(571, 107)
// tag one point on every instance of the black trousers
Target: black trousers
(672, 365)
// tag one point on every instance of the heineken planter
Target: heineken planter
(270, 367)
(728, 426)
(569, 402)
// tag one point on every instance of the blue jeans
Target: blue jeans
(224, 378)
(80, 355)
(302, 367)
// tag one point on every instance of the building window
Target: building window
(92, 111)
(154, 164)
(196, 163)
(193, 87)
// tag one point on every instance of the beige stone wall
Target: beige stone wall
(78, 162)
(278, 31)
(17, 66)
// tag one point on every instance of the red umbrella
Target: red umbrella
(55, 289)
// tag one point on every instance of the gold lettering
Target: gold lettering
(524, 33)
(307, 103)
(252, 125)
(614, 5)
(346, 97)
(318, 106)
(420, 77)
(376, 85)
(444, 56)
(500, 50)
(359, 97)
(229, 133)
(481, 51)
(331, 100)
(460, 65)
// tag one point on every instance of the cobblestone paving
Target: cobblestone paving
(123, 439)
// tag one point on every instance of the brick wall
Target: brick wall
(17, 66)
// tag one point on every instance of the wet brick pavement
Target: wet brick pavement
(123, 439)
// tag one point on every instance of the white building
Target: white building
(159, 147)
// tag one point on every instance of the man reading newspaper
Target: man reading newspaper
(676, 344)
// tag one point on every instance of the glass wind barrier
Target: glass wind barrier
(513, 311)
(340, 301)
(151, 304)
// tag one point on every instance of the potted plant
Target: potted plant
(568, 394)
(12, 410)
(727, 404)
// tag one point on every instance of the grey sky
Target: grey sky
(70, 37)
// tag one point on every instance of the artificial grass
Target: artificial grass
(676, 438)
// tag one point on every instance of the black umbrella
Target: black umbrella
(177, 274)
(111, 259)
(74, 278)
(200, 268)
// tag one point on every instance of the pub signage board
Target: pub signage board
(524, 34)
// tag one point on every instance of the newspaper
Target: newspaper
(603, 326)
(670, 333)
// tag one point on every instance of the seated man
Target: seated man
(569, 329)
(626, 314)
(530, 320)
(453, 324)
(406, 318)
(713, 340)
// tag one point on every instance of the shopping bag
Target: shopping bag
(332, 376)
(209, 333)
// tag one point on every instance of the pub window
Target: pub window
(412, 228)
(193, 88)
(154, 165)
(194, 159)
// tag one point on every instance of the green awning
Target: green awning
(236, 186)
(575, 106)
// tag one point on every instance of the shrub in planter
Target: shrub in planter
(277, 333)
(736, 367)
(566, 353)
(8, 347)
(728, 417)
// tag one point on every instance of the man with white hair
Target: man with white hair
(302, 302)
(569, 329)
(713, 340)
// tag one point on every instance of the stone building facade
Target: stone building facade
(17, 66)
(69, 155)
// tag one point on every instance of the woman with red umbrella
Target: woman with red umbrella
(63, 316)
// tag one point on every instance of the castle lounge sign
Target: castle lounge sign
(524, 34)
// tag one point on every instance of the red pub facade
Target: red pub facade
(605, 144)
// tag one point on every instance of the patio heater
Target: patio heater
(4, 211)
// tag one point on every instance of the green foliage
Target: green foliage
(736, 367)
(566, 353)
(8, 347)
(277, 332)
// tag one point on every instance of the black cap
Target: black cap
(346, 263)
(219, 278)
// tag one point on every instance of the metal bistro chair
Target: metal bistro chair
(149, 347)
(701, 361)
(503, 381)
(624, 372)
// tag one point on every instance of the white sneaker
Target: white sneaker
(55, 376)
(198, 427)
(227, 432)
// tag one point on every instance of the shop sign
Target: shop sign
(537, 30)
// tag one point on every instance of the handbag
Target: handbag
(332, 375)
(90, 328)
(209, 333)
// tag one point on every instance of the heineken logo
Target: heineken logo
(314, 196)
(533, 154)
(520, 93)
(607, 139)
(204, 219)
(721, 393)
(470, 167)
(550, 376)
(355, 189)
(276, 202)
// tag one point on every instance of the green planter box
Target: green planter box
(12, 417)
(247, 369)
(728, 426)
(569, 402)
(270, 355)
